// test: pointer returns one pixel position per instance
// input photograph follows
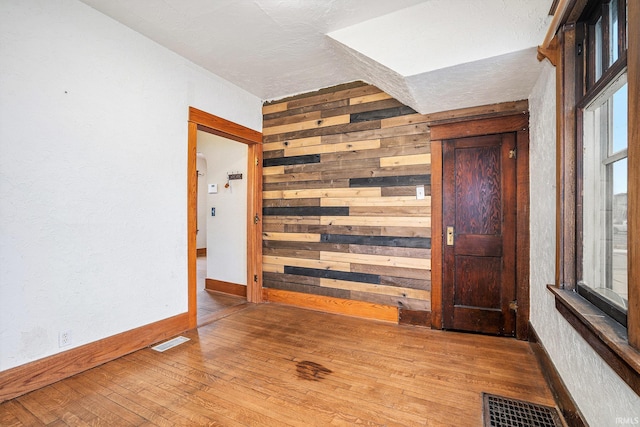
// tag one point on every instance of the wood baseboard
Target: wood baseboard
(201, 252)
(567, 406)
(34, 375)
(414, 317)
(225, 287)
(366, 310)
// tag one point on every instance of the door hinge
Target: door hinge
(256, 219)
(257, 161)
(255, 278)
(513, 305)
(513, 154)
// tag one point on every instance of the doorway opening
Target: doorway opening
(207, 124)
(221, 233)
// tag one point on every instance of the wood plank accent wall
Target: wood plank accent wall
(340, 214)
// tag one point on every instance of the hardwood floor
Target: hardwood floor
(213, 305)
(274, 365)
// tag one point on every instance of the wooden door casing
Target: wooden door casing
(479, 202)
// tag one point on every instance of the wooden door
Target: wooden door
(479, 229)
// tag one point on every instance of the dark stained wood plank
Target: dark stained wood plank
(325, 106)
(292, 278)
(305, 246)
(405, 191)
(292, 184)
(381, 114)
(391, 300)
(306, 211)
(334, 229)
(383, 270)
(295, 285)
(273, 154)
(313, 115)
(391, 181)
(414, 317)
(274, 203)
(294, 160)
(333, 274)
(377, 240)
(390, 251)
(362, 107)
(404, 282)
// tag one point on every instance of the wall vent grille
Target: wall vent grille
(170, 344)
(504, 412)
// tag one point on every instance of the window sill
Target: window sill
(607, 337)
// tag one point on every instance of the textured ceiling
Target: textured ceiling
(430, 54)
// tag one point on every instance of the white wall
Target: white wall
(597, 390)
(227, 231)
(201, 167)
(93, 166)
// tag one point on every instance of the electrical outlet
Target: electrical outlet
(64, 338)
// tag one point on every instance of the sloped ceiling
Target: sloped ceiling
(433, 55)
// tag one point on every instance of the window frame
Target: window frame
(610, 77)
(618, 346)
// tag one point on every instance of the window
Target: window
(604, 208)
(602, 273)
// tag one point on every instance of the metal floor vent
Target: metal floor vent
(170, 344)
(504, 412)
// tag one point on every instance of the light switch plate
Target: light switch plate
(213, 188)
(420, 192)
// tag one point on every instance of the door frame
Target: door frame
(203, 121)
(439, 133)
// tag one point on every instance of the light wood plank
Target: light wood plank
(337, 265)
(415, 159)
(331, 192)
(273, 170)
(369, 98)
(382, 260)
(416, 222)
(370, 144)
(309, 220)
(334, 305)
(272, 268)
(274, 108)
(376, 201)
(292, 237)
